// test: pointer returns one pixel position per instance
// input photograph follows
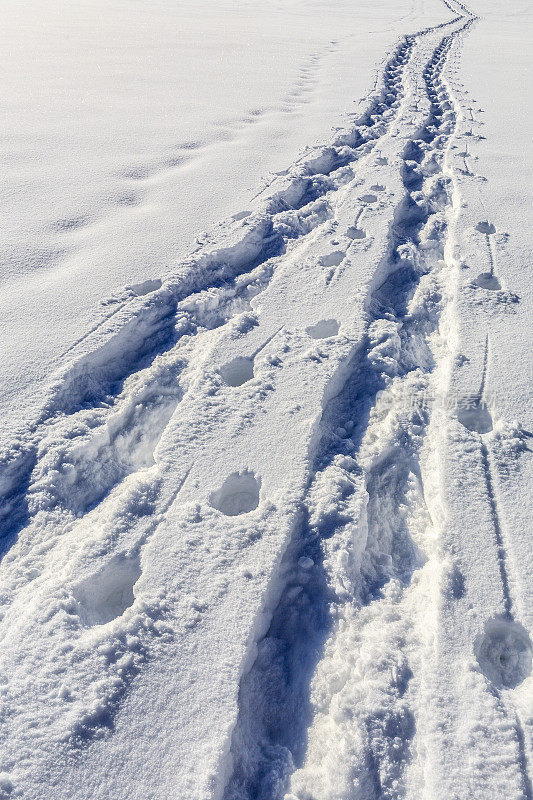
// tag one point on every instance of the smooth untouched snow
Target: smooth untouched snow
(266, 519)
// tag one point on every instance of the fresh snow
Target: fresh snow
(266, 471)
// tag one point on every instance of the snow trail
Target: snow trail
(364, 542)
(241, 500)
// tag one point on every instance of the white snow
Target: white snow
(266, 356)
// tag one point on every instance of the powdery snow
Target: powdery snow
(266, 517)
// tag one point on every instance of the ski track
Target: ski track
(332, 705)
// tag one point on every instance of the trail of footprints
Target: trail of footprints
(182, 153)
(297, 210)
(150, 408)
(504, 651)
(395, 334)
(111, 590)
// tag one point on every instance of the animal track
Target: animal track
(107, 594)
(239, 494)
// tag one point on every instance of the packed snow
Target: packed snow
(266, 468)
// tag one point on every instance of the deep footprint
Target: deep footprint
(475, 417)
(485, 227)
(356, 233)
(487, 281)
(333, 259)
(239, 494)
(107, 594)
(238, 371)
(323, 329)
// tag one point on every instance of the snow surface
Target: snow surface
(266, 512)
(133, 129)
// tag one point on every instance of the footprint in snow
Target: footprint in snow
(475, 416)
(504, 652)
(106, 595)
(239, 494)
(71, 223)
(487, 281)
(333, 259)
(356, 233)
(485, 227)
(150, 285)
(238, 371)
(323, 329)
(241, 215)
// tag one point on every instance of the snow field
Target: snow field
(258, 528)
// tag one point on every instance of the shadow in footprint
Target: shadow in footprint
(485, 227)
(71, 223)
(333, 259)
(356, 233)
(239, 494)
(487, 281)
(475, 417)
(238, 371)
(323, 329)
(504, 653)
(106, 595)
(141, 289)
